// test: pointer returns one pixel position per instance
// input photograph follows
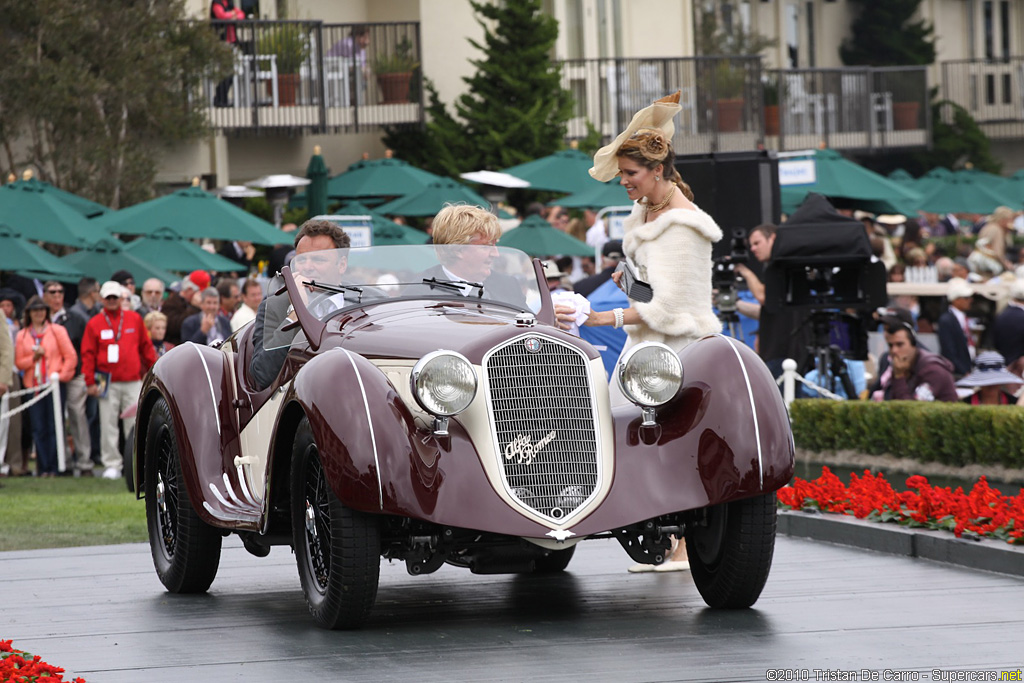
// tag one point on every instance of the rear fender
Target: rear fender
(197, 384)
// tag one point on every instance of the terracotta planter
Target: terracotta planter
(771, 119)
(905, 115)
(730, 116)
(394, 88)
(287, 89)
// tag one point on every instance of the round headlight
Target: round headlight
(650, 374)
(443, 383)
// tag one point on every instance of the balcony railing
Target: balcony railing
(860, 108)
(991, 90)
(308, 76)
(730, 104)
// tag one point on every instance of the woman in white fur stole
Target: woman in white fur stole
(668, 240)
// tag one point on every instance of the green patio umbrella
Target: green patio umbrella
(193, 213)
(965, 194)
(903, 178)
(39, 215)
(385, 231)
(379, 178)
(567, 170)
(86, 207)
(106, 257)
(173, 252)
(845, 182)
(597, 196)
(316, 191)
(932, 179)
(21, 256)
(432, 198)
(536, 237)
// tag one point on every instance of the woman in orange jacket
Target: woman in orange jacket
(40, 350)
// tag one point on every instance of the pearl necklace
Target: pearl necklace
(663, 203)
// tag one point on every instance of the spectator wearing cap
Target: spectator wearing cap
(1008, 329)
(117, 348)
(611, 254)
(210, 326)
(127, 280)
(183, 303)
(953, 328)
(43, 349)
(990, 381)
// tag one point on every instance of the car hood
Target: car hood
(410, 329)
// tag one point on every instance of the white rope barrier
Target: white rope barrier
(6, 413)
(790, 377)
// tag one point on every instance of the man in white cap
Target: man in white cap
(953, 328)
(116, 352)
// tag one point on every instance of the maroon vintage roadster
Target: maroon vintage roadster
(429, 420)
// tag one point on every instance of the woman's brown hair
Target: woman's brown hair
(649, 148)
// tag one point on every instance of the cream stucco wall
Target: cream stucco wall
(657, 28)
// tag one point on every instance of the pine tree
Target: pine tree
(515, 109)
(885, 34)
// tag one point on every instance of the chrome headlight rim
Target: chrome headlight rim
(417, 373)
(626, 366)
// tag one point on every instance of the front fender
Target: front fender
(726, 436)
(196, 382)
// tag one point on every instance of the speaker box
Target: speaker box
(737, 189)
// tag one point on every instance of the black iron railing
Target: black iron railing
(308, 76)
(991, 90)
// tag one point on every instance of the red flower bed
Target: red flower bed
(17, 666)
(982, 513)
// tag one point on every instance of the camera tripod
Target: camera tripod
(828, 358)
(731, 325)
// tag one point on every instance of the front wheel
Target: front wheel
(337, 549)
(186, 550)
(730, 551)
(554, 562)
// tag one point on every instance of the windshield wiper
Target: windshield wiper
(337, 289)
(453, 285)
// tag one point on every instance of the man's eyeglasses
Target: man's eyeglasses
(55, 291)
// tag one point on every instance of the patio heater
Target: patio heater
(494, 185)
(278, 189)
(236, 194)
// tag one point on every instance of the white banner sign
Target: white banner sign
(797, 172)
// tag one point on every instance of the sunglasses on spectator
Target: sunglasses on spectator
(55, 291)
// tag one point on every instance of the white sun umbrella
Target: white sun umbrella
(496, 178)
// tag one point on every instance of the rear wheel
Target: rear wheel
(730, 556)
(186, 550)
(337, 549)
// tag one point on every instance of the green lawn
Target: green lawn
(65, 512)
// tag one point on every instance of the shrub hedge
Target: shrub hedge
(950, 433)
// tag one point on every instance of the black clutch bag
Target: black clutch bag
(635, 288)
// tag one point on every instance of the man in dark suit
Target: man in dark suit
(209, 326)
(954, 333)
(1008, 329)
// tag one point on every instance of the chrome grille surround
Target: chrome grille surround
(544, 419)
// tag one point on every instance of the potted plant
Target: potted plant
(288, 44)
(729, 84)
(771, 106)
(394, 72)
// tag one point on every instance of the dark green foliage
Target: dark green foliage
(99, 88)
(885, 34)
(515, 109)
(950, 433)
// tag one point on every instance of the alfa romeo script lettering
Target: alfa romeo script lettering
(522, 451)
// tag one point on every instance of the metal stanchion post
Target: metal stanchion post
(58, 420)
(788, 381)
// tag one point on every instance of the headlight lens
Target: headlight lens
(443, 383)
(650, 374)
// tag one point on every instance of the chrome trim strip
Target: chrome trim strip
(753, 407)
(209, 381)
(231, 491)
(245, 487)
(221, 499)
(369, 422)
(227, 517)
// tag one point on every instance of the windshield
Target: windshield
(334, 280)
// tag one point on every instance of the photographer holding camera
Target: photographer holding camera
(781, 335)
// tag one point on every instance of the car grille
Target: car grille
(543, 417)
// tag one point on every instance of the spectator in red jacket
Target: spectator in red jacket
(116, 349)
(223, 12)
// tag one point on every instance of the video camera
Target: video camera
(723, 272)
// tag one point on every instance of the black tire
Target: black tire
(731, 556)
(554, 562)
(338, 551)
(128, 459)
(186, 550)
